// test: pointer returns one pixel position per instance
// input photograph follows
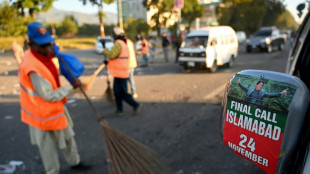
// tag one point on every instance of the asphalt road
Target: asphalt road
(179, 119)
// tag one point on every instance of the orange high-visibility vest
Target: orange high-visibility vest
(119, 67)
(35, 111)
(132, 55)
(145, 48)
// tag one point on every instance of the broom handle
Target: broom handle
(83, 91)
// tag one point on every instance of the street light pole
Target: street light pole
(120, 14)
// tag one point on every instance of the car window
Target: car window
(299, 42)
(301, 67)
(195, 42)
(263, 33)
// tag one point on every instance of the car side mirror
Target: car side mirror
(300, 8)
(262, 122)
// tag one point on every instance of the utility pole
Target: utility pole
(120, 13)
(101, 20)
(178, 5)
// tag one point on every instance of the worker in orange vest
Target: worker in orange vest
(42, 102)
(118, 67)
(132, 65)
(145, 51)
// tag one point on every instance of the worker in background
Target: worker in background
(118, 67)
(165, 44)
(132, 66)
(145, 52)
(42, 102)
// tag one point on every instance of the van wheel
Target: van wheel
(248, 50)
(213, 68)
(231, 62)
(186, 68)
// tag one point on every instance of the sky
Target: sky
(76, 5)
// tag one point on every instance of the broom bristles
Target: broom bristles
(127, 156)
(109, 93)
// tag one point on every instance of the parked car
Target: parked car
(108, 44)
(266, 39)
(274, 135)
(241, 37)
(209, 48)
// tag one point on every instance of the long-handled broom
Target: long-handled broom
(108, 94)
(88, 83)
(125, 155)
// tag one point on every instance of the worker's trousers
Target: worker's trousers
(49, 153)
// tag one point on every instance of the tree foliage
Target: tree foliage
(14, 21)
(162, 6)
(33, 6)
(250, 15)
(69, 26)
(192, 10)
(11, 24)
(286, 21)
(134, 26)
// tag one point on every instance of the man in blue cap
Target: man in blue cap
(42, 102)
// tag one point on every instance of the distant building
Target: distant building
(134, 9)
(209, 16)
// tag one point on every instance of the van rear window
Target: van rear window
(195, 42)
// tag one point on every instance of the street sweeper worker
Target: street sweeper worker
(118, 67)
(42, 102)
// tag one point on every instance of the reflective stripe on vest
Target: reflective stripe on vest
(119, 67)
(33, 93)
(43, 119)
(35, 111)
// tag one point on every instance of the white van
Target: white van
(209, 47)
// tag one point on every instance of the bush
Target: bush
(66, 43)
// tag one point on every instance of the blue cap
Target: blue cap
(39, 34)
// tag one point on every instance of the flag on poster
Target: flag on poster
(178, 4)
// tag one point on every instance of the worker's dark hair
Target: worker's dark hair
(260, 82)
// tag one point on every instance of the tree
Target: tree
(134, 26)
(162, 6)
(286, 21)
(274, 9)
(32, 6)
(69, 26)
(100, 12)
(10, 23)
(192, 10)
(249, 15)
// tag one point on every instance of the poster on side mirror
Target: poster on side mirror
(255, 114)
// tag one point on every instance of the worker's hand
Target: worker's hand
(76, 83)
(238, 81)
(103, 43)
(106, 62)
(284, 91)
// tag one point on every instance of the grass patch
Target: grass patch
(66, 43)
